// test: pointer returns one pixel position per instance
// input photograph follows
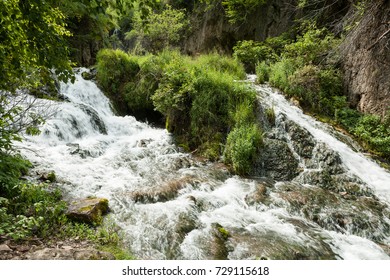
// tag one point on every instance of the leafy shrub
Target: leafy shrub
(12, 167)
(223, 64)
(114, 70)
(375, 133)
(312, 46)
(280, 72)
(159, 30)
(250, 53)
(262, 72)
(241, 147)
(238, 10)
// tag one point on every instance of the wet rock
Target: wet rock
(185, 224)
(163, 192)
(326, 159)
(48, 177)
(260, 193)
(363, 216)
(89, 210)
(219, 249)
(268, 244)
(302, 141)
(277, 161)
(88, 75)
(96, 121)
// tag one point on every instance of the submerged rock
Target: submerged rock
(163, 192)
(360, 215)
(261, 192)
(89, 210)
(268, 244)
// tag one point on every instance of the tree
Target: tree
(33, 43)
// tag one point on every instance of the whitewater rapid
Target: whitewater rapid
(95, 153)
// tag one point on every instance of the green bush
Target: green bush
(375, 133)
(221, 63)
(12, 167)
(238, 10)
(251, 53)
(262, 72)
(242, 145)
(115, 69)
(200, 98)
(280, 73)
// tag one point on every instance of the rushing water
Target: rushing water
(170, 206)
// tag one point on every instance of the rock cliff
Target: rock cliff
(366, 61)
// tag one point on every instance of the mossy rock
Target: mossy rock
(89, 210)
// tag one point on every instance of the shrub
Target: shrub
(159, 30)
(242, 145)
(223, 64)
(250, 53)
(262, 71)
(115, 69)
(375, 133)
(12, 167)
(238, 10)
(280, 72)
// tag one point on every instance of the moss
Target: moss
(224, 233)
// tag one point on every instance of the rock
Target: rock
(88, 75)
(365, 60)
(276, 160)
(48, 177)
(260, 193)
(302, 141)
(269, 244)
(69, 254)
(88, 210)
(5, 248)
(363, 216)
(162, 193)
(327, 159)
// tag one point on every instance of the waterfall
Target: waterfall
(170, 205)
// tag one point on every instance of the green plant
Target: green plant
(159, 30)
(251, 53)
(242, 145)
(262, 72)
(238, 10)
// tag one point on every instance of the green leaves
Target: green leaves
(32, 36)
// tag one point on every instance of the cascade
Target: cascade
(334, 205)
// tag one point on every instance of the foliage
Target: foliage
(262, 72)
(32, 36)
(374, 133)
(159, 30)
(12, 167)
(250, 53)
(32, 210)
(241, 146)
(199, 98)
(238, 10)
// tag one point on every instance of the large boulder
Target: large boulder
(89, 210)
(277, 161)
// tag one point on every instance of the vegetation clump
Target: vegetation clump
(200, 98)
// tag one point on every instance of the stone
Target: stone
(163, 192)
(5, 248)
(276, 160)
(302, 141)
(88, 210)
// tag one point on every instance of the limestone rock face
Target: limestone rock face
(88, 210)
(366, 61)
